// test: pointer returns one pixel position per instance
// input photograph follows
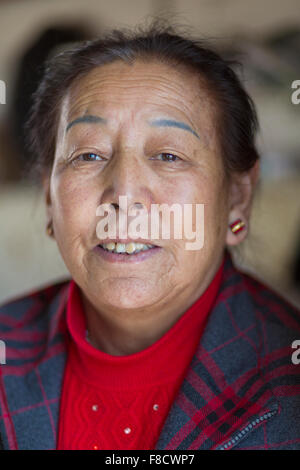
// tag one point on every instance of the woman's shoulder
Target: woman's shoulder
(251, 296)
(274, 298)
(277, 315)
(31, 303)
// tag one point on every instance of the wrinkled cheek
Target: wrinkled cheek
(70, 218)
(216, 223)
(70, 201)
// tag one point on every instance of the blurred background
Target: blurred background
(263, 34)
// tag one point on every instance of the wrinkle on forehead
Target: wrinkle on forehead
(177, 93)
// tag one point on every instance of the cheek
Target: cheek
(216, 217)
(212, 193)
(74, 207)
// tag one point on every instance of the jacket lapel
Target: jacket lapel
(31, 380)
(224, 395)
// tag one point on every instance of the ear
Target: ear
(241, 193)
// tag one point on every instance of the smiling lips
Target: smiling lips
(128, 248)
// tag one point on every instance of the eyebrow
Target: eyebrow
(89, 118)
(86, 119)
(172, 123)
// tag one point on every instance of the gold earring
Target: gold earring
(49, 229)
(237, 226)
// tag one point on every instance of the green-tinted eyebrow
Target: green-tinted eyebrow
(172, 123)
(88, 118)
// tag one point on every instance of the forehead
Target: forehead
(119, 88)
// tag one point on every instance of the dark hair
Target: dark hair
(236, 119)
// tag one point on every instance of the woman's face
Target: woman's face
(151, 138)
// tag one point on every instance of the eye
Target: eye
(168, 157)
(88, 157)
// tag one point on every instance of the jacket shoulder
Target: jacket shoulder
(278, 324)
(278, 327)
(22, 309)
(32, 328)
(271, 307)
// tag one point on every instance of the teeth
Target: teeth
(120, 248)
(110, 246)
(128, 248)
(139, 246)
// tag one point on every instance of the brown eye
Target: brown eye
(89, 157)
(168, 157)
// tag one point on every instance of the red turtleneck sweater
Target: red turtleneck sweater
(121, 402)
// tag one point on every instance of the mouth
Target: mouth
(130, 248)
(126, 252)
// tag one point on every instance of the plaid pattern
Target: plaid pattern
(241, 390)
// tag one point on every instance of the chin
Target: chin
(127, 294)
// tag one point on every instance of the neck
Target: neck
(121, 333)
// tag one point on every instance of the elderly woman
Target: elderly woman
(150, 345)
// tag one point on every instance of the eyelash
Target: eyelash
(169, 154)
(85, 154)
(78, 158)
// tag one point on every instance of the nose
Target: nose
(127, 175)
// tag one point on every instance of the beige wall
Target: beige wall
(21, 20)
